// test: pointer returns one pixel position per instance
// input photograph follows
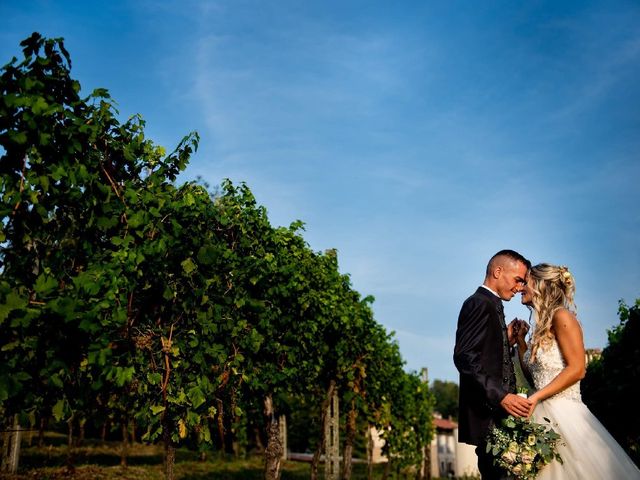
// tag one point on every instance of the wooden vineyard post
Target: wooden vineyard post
(332, 440)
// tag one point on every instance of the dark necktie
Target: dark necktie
(500, 310)
(508, 376)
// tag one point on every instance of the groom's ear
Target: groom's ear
(497, 272)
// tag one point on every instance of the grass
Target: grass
(247, 469)
(96, 460)
(101, 461)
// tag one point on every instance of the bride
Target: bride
(555, 363)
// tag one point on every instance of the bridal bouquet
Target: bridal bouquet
(523, 447)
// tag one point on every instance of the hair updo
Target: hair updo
(553, 287)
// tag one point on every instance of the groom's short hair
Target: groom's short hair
(511, 254)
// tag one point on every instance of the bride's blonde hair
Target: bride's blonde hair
(553, 287)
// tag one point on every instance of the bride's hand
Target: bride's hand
(517, 332)
(534, 401)
(523, 329)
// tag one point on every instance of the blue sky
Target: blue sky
(416, 137)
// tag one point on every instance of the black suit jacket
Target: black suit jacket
(482, 357)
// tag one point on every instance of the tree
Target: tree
(613, 378)
(97, 269)
(66, 160)
(446, 398)
(409, 426)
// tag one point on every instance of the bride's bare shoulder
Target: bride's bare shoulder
(567, 329)
(564, 319)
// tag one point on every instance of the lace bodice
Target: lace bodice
(547, 364)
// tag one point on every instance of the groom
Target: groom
(482, 356)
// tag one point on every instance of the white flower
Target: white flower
(509, 457)
(528, 456)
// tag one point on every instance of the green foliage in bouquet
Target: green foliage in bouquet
(523, 447)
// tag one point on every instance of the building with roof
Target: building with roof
(450, 458)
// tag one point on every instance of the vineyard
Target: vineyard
(172, 311)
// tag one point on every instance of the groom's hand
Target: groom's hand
(516, 405)
(513, 331)
(517, 331)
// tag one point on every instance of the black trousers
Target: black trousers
(489, 471)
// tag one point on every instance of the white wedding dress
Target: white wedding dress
(589, 451)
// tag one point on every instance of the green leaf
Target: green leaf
(44, 181)
(58, 173)
(205, 434)
(12, 302)
(39, 106)
(45, 284)
(157, 409)
(188, 266)
(196, 397)
(18, 137)
(137, 219)
(10, 346)
(124, 375)
(56, 380)
(207, 255)
(58, 410)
